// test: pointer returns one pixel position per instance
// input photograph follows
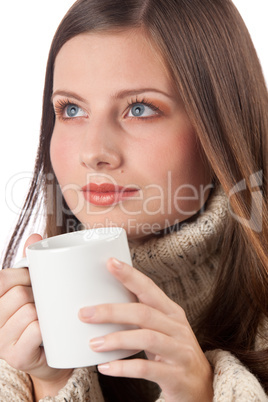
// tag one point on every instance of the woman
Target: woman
(164, 100)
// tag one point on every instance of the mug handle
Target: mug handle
(23, 263)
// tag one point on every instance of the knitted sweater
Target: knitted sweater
(184, 264)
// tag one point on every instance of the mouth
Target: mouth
(107, 194)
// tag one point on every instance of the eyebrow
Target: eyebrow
(129, 92)
(117, 95)
(68, 94)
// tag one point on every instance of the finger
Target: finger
(15, 326)
(143, 287)
(10, 278)
(30, 336)
(34, 238)
(133, 314)
(13, 300)
(165, 348)
(138, 368)
(27, 353)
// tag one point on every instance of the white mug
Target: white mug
(69, 272)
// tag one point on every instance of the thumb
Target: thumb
(34, 238)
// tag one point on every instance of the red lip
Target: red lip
(106, 193)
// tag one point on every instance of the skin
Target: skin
(105, 143)
(103, 140)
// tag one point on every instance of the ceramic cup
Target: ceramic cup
(69, 272)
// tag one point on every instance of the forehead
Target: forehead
(117, 57)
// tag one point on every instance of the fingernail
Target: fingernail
(97, 343)
(87, 312)
(103, 367)
(118, 264)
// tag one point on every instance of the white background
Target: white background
(26, 30)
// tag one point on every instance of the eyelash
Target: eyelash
(60, 107)
(144, 102)
(62, 104)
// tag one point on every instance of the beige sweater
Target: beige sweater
(184, 264)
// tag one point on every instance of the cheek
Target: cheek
(196, 164)
(181, 157)
(192, 184)
(56, 156)
(182, 171)
(61, 155)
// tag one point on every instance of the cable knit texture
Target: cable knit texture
(232, 381)
(82, 386)
(184, 264)
(15, 386)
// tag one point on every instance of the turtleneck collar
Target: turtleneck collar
(184, 262)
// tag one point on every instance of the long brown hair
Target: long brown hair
(213, 63)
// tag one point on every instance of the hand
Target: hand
(175, 360)
(20, 336)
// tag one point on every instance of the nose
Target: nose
(100, 149)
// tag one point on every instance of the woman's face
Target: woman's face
(123, 149)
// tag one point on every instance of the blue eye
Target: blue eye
(66, 110)
(74, 111)
(138, 109)
(142, 110)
